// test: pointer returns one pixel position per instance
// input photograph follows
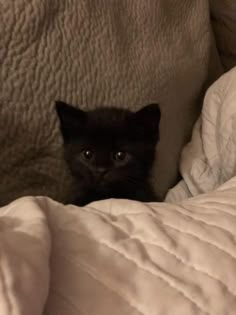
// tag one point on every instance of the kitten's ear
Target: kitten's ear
(149, 120)
(71, 120)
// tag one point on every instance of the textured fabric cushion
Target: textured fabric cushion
(121, 53)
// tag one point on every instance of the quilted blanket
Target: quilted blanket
(94, 53)
(130, 258)
(119, 257)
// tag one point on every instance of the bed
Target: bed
(176, 257)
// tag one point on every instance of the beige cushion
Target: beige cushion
(120, 53)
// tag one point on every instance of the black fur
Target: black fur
(102, 172)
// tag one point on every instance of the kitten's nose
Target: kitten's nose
(101, 170)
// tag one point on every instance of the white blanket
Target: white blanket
(123, 257)
(120, 257)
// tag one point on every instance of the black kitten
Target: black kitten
(110, 151)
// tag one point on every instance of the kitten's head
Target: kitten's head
(109, 148)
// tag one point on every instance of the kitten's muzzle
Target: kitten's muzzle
(100, 173)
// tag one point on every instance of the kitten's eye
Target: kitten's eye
(120, 156)
(87, 154)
